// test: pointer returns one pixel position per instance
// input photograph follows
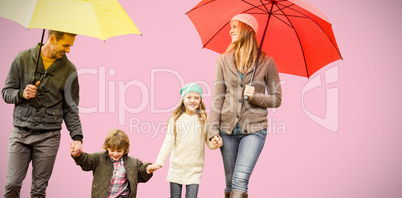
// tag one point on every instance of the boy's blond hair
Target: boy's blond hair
(117, 139)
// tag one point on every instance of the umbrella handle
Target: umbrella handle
(34, 77)
(247, 98)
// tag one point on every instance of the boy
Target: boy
(115, 173)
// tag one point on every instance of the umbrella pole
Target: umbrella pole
(34, 77)
(259, 50)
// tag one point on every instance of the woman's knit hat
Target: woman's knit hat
(190, 87)
(247, 19)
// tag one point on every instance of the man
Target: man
(40, 110)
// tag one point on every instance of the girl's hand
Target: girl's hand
(249, 91)
(152, 168)
(217, 141)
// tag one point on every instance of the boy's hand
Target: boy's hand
(76, 148)
(152, 168)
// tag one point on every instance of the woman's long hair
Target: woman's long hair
(201, 114)
(245, 48)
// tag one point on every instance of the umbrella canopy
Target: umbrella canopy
(101, 19)
(298, 36)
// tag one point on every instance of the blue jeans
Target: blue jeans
(240, 154)
(191, 190)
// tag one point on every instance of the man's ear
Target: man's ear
(52, 39)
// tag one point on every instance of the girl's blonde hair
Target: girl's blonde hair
(117, 139)
(201, 114)
(245, 48)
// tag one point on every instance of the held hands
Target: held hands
(76, 148)
(152, 168)
(249, 91)
(30, 91)
(217, 141)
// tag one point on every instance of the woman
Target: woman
(242, 124)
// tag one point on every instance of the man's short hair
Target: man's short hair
(58, 34)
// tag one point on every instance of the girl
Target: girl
(185, 141)
(242, 125)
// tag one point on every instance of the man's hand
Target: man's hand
(76, 148)
(30, 91)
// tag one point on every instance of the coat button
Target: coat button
(241, 85)
(240, 101)
(245, 131)
(237, 116)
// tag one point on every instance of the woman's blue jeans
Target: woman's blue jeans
(191, 190)
(240, 154)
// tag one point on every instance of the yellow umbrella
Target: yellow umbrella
(101, 19)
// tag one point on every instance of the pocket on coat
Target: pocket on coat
(54, 116)
(21, 113)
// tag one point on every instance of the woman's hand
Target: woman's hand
(249, 91)
(217, 141)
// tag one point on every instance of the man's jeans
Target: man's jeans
(25, 146)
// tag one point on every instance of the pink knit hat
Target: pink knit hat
(247, 19)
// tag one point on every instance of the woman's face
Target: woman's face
(234, 31)
(192, 102)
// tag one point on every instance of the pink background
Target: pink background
(357, 153)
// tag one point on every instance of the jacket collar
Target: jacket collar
(56, 65)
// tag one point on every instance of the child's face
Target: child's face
(115, 154)
(192, 102)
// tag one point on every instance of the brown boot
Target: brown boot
(238, 194)
(227, 194)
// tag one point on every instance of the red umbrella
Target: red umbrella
(299, 36)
